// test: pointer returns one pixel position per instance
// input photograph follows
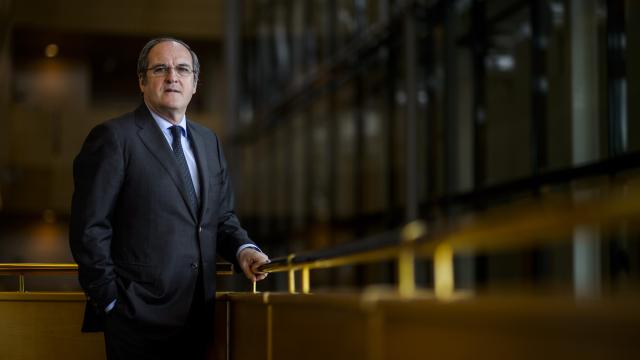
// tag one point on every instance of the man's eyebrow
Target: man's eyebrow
(165, 65)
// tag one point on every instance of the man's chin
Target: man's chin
(172, 104)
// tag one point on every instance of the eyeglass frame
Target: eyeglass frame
(164, 70)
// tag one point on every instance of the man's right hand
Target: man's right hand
(250, 260)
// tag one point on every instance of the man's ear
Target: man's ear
(141, 83)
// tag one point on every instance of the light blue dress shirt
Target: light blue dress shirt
(165, 126)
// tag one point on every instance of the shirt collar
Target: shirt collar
(165, 124)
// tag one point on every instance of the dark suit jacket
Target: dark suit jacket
(132, 232)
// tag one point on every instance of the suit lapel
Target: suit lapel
(203, 167)
(156, 143)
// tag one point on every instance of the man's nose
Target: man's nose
(171, 75)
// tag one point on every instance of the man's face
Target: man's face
(168, 93)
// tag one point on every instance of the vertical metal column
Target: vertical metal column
(450, 98)
(7, 9)
(232, 45)
(359, 142)
(390, 87)
(585, 144)
(359, 153)
(617, 119)
(384, 10)
(540, 26)
(307, 129)
(359, 164)
(410, 44)
(311, 37)
(332, 141)
(390, 128)
(310, 183)
(361, 15)
(431, 134)
(584, 81)
(617, 77)
(233, 17)
(289, 176)
(540, 18)
(479, 51)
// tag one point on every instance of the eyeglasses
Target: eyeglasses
(163, 70)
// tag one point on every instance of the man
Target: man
(152, 207)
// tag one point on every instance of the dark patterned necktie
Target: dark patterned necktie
(182, 165)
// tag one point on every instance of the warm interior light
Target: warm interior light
(51, 50)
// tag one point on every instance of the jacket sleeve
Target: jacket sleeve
(231, 235)
(98, 173)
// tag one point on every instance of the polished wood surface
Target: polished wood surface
(319, 327)
(381, 325)
(46, 326)
(249, 326)
(511, 328)
(371, 325)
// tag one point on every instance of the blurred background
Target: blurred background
(343, 119)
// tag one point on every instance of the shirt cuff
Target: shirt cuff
(242, 247)
(110, 306)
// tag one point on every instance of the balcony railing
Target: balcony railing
(552, 220)
(22, 269)
(399, 324)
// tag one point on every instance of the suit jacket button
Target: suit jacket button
(194, 266)
(200, 229)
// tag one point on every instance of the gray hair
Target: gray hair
(143, 58)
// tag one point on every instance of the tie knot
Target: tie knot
(176, 131)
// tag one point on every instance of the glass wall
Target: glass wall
(505, 100)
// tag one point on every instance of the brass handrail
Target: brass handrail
(22, 269)
(515, 226)
(403, 252)
(31, 268)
